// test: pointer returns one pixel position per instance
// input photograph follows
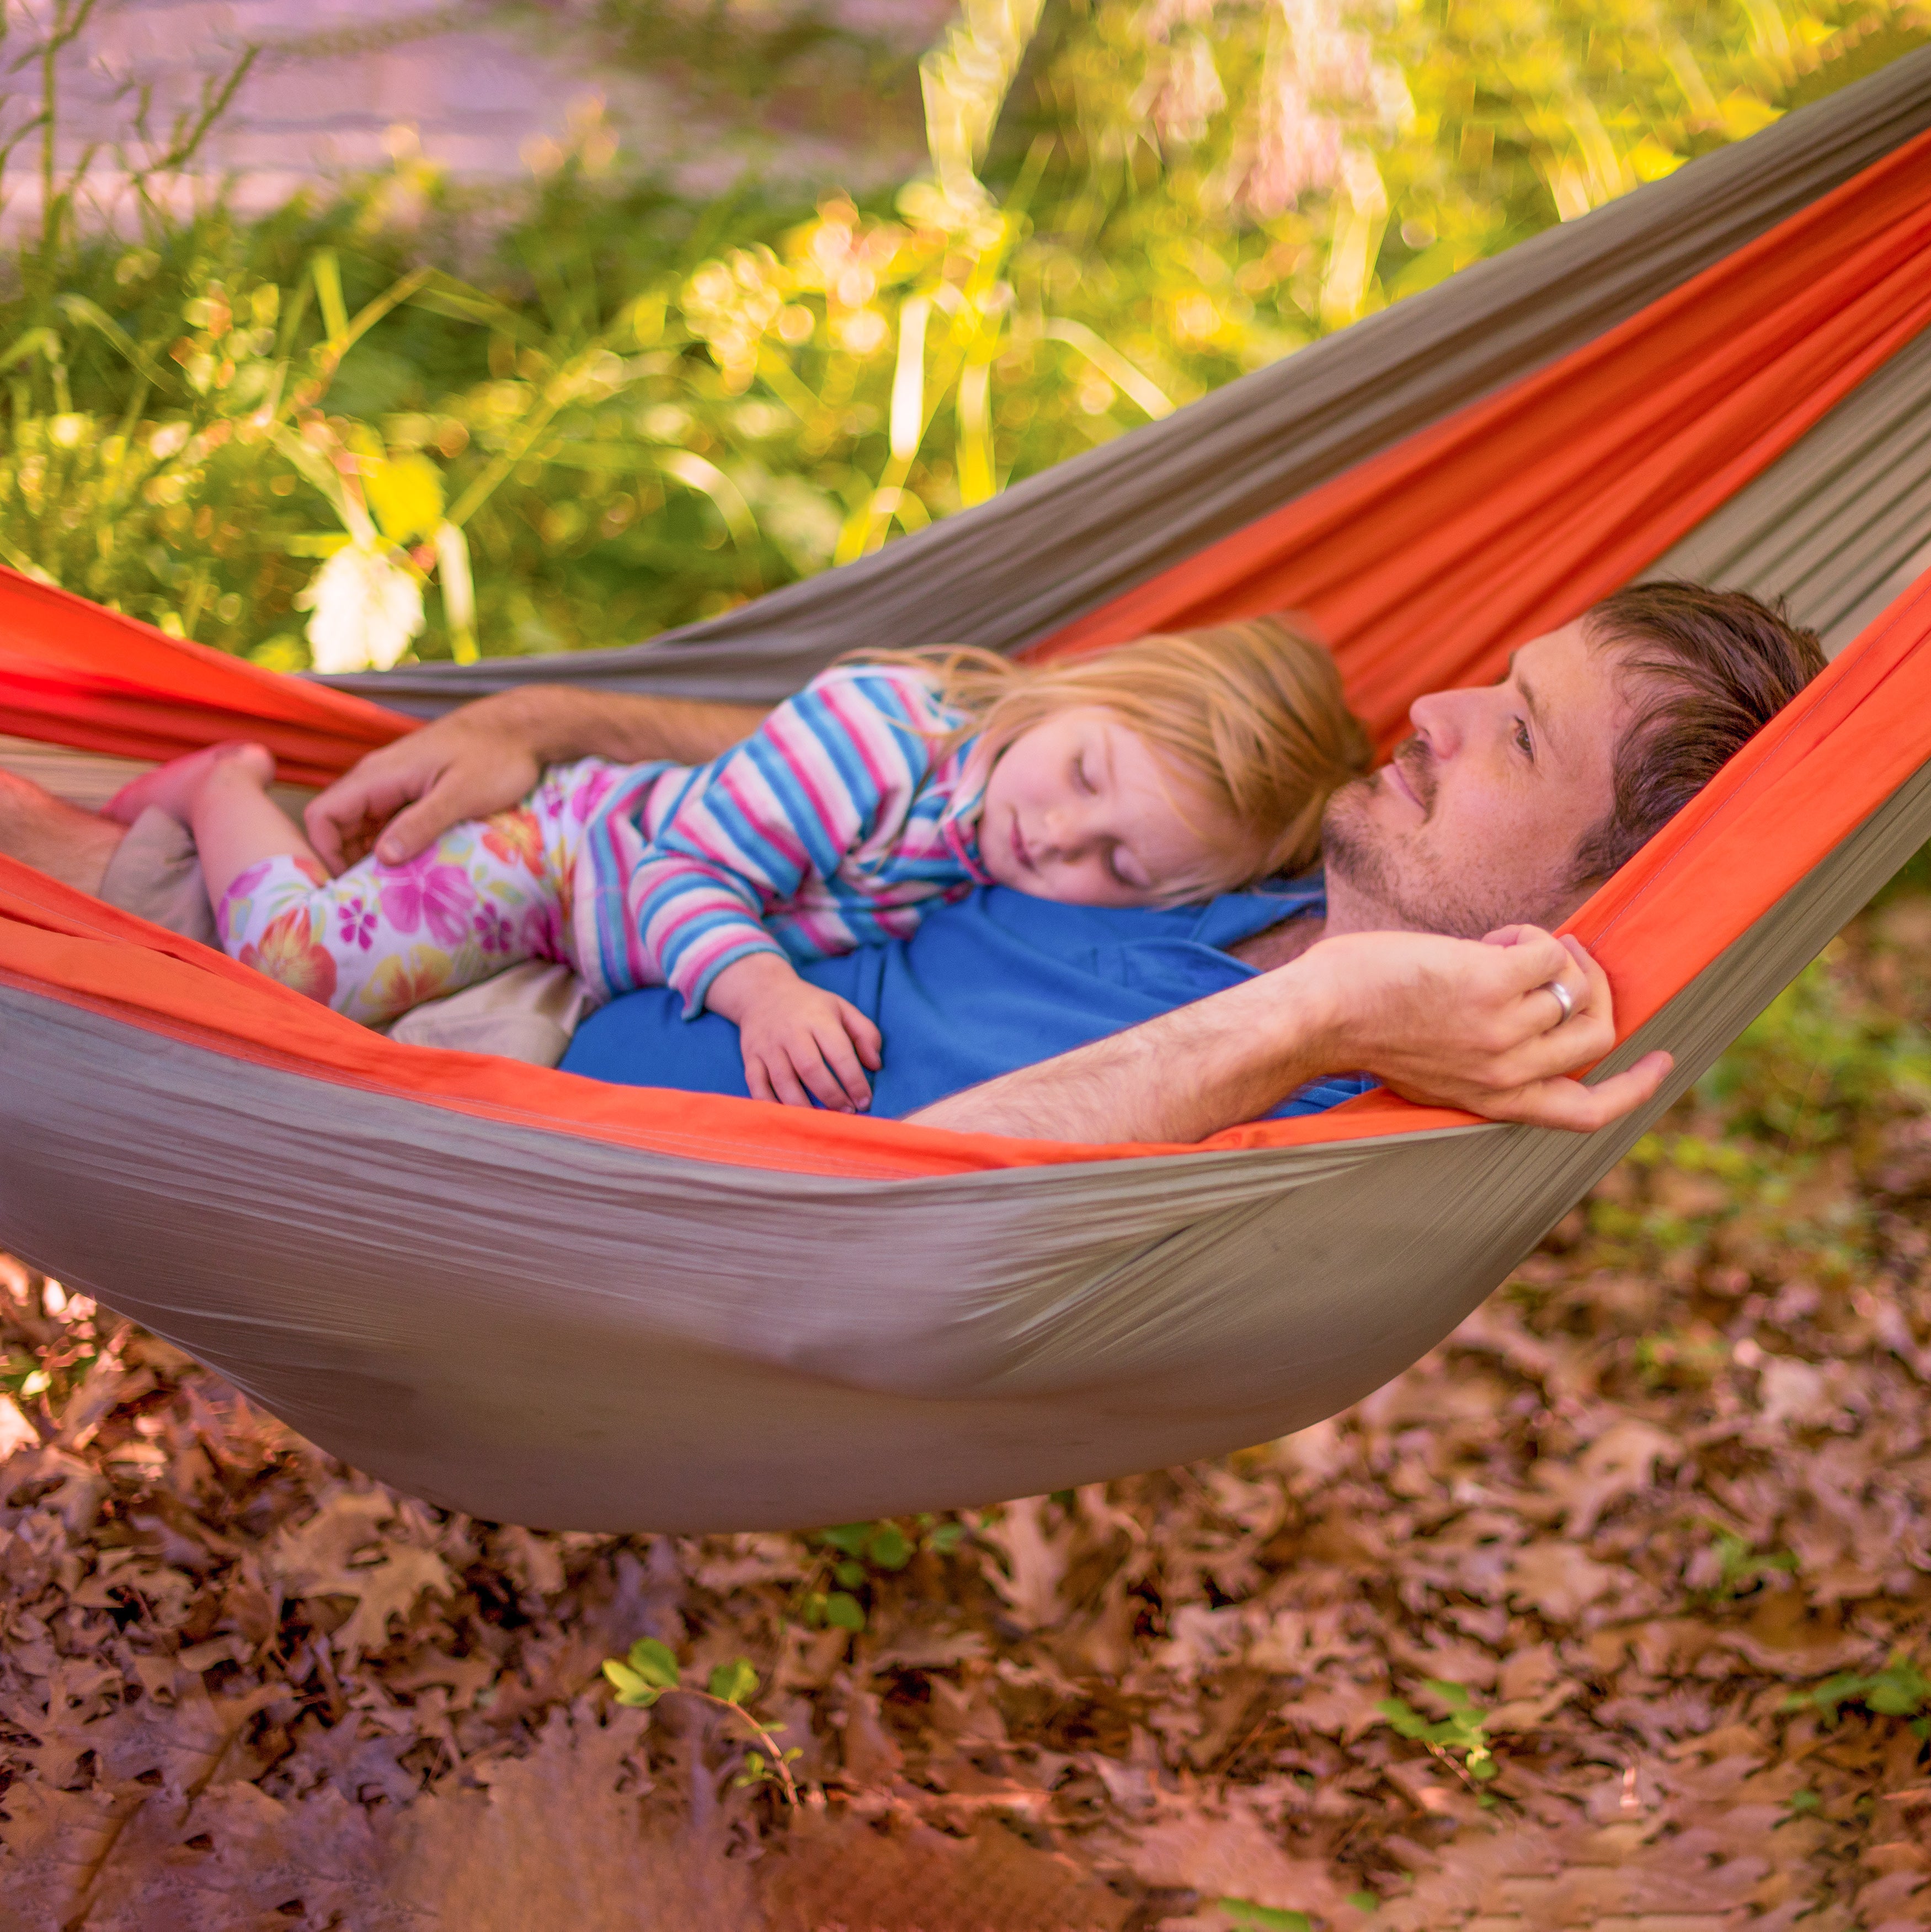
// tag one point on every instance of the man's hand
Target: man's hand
(398, 800)
(1444, 1021)
(487, 756)
(1451, 1021)
(798, 1041)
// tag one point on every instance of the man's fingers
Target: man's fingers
(365, 793)
(1584, 1004)
(1622, 1092)
(1527, 953)
(1597, 996)
(350, 803)
(323, 836)
(1532, 960)
(342, 829)
(1543, 1009)
(1569, 1104)
(334, 821)
(418, 825)
(1550, 1051)
(1561, 1103)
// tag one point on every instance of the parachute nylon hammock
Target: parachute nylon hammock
(549, 1301)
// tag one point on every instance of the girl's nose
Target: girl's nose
(1065, 832)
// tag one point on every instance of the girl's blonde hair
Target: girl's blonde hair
(1252, 713)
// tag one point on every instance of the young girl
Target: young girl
(1160, 772)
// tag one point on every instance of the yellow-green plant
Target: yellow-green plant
(640, 411)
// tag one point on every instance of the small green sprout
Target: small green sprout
(732, 1683)
(858, 1549)
(1899, 1690)
(1264, 1918)
(1462, 1730)
(1742, 1568)
(650, 1671)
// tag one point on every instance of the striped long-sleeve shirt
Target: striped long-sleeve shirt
(829, 828)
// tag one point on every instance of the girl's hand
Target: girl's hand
(800, 1042)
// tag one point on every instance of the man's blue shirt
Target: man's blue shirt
(994, 982)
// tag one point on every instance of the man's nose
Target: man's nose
(1440, 719)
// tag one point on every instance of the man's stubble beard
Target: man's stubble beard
(1392, 898)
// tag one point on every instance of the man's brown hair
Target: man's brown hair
(1712, 667)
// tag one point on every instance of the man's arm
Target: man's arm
(1454, 1021)
(485, 756)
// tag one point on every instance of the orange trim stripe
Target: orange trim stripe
(62, 945)
(75, 674)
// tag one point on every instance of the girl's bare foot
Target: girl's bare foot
(174, 787)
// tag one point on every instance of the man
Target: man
(1507, 807)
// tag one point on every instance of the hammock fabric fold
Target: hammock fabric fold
(74, 674)
(1511, 516)
(594, 1312)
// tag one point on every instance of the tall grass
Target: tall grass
(603, 409)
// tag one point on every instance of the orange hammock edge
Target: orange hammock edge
(75, 673)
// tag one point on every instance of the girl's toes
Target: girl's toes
(173, 787)
(132, 800)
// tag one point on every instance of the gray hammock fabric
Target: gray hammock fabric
(1842, 524)
(547, 1329)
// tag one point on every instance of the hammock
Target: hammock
(544, 1300)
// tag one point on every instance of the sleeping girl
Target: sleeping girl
(1155, 774)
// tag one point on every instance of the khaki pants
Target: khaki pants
(527, 1013)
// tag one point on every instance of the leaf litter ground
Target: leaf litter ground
(1611, 1613)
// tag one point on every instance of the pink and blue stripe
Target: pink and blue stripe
(829, 828)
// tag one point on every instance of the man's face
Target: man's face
(1474, 823)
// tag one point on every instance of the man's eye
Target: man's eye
(1522, 743)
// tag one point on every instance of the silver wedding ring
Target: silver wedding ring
(1564, 998)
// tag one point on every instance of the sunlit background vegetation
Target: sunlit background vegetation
(576, 415)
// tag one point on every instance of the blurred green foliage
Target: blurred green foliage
(639, 409)
(1900, 1690)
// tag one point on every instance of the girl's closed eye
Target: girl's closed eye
(1154, 772)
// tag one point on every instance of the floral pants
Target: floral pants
(381, 939)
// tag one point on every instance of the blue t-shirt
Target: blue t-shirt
(993, 983)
